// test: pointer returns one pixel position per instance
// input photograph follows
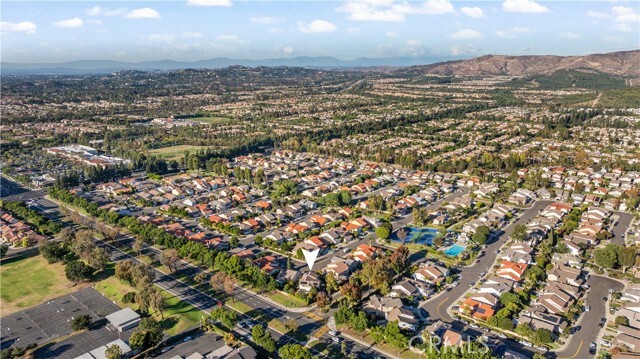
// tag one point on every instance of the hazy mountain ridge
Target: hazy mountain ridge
(623, 63)
(106, 66)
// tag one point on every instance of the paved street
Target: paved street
(578, 346)
(620, 227)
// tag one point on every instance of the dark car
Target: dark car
(592, 348)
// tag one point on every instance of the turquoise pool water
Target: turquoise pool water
(454, 250)
(419, 235)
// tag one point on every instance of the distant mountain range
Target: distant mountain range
(100, 66)
(624, 64)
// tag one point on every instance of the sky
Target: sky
(189, 30)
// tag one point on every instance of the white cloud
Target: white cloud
(98, 10)
(514, 31)
(316, 26)
(227, 37)
(69, 23)
(466, 34)
(571, 35)
(192, 35)
(353, 30)
(209, 2)
(390, 33)
(275, 30)
(94, 22)
(165, 38)
(287, 50)
(413, 42)
(622, 18)
(598, 15)
(143, 13)
(464, 50)
(265, 20)
(388, 10)
(23, 26)
(474, 12)
(523, 6)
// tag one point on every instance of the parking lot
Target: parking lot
(51, 320)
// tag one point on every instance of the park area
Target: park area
(174, 152)
(31, 281)
(178, 315)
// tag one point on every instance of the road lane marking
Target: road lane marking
(440, 305)
(577, 351)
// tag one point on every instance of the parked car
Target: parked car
(592, 348)
(336, 339)
(587, 308)
(482, 274)
(333, 333)
(346, 250)
(472, 284)
(605, 343)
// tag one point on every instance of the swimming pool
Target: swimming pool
(454, 250)
(419, 235)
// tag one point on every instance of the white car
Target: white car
(347, 250)
(605, 343)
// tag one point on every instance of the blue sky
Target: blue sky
(58, 31)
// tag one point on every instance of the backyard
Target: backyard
(174, 152)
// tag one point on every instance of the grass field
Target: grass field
(206, 119)
(287, 300)
(174, 152)
(31, 281)
(178, 316)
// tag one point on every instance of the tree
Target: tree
(77, 271)
(322, 300)
(200, 277)
(124, 271)
(217, 281)
(83, 244)
(148, 334)
(607, 257)
(543, 336)
(233, 242)
(143, 298)
(143, 275)
(620, 320)
(331, 282)
(3, 250)
(263, 338)
(81, 322)
(169, 258)
(627, 257)
(360, 322)
(227, 317)
(291, 325)
(53, 251)
(519, 233)
(138, 245)
(398, 259)
(158, 303)
(481, 235)
(294, 351)
(67, 235)
(351, 292)
(113, 352)
(229, 285)
(402, 234)
(99, 259)
(383, 233)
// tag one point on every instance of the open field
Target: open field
(31, 281)
(178, 316)
(174, 152)
(207, 119)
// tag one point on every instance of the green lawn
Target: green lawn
(208, 119)
(31, 281)
(178, 316)
(174, 152)
(287, 300)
